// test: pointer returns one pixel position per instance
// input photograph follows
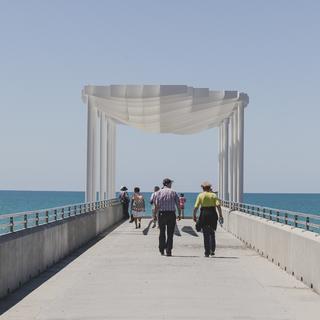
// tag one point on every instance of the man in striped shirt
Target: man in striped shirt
(166, 201)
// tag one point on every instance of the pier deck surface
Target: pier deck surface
(123, 276)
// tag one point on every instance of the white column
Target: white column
(89, 152)
(109, 168)
(225, 158)
(103, 157)
(231, 196)
(240, 150)
(92, 148)
(113, 160)
(220, 163)
(235, 156)
(106, 159)
(95, 159)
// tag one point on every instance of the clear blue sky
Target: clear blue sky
(51, 49)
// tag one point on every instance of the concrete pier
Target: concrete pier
(123, 276)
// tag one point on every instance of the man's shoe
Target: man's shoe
(212, 253)
(207, 255)
(169, 254)
(162, 253)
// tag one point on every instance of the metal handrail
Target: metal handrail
(310, 222)
(13, 222)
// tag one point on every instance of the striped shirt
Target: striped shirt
(166, 199)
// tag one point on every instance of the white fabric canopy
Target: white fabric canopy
(175, 109)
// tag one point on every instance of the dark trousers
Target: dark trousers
(125, 207)
(209, 239)
(167, 222)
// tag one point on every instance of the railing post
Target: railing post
(11, 224)
(296, 220)
(62, 213)
(278, 215)
(47, 216)
(263, 213)
(55, 213)
(258, 213)
(69, 211)
(286, 218)
(270, 214)
(307, 223)
(25, 220)
(37, 218)
(75, 210)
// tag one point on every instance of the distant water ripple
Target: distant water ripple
(18, 201)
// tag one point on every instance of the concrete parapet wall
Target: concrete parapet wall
(295, 250)
(27, 253)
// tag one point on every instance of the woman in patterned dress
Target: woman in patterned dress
(137, 207)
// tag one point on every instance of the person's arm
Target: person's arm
(196, 206)
(178, 206)
(195, 214)
(151, 198)
(219, 211)
(131, 205)
(156, 205)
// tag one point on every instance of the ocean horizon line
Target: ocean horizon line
(150, 191)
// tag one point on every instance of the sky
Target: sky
(50, 49)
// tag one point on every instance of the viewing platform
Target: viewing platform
(123, 276)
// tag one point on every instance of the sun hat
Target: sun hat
(206, 184)
(123, 188)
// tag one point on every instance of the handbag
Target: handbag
(199, 223)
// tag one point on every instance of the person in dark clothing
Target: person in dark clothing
(208, 217)
(166, 201)
(125, 200)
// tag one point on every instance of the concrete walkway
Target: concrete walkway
(123, 276)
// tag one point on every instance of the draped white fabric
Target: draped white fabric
(175, 109)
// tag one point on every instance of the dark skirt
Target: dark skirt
(208, 217)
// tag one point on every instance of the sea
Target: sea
(20, 201)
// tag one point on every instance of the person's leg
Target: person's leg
(136, 222)
(182, 213)
(171, 224)
(126, 210)
(212, 241)
(162, 234)
(139, 219)
(154, 218)
(206, 240)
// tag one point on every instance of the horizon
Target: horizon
(142, 191)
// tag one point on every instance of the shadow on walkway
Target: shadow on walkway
(189, 230)
(13, 298)
(145, 231)
(177, 256)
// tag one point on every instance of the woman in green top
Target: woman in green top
(208, 218)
